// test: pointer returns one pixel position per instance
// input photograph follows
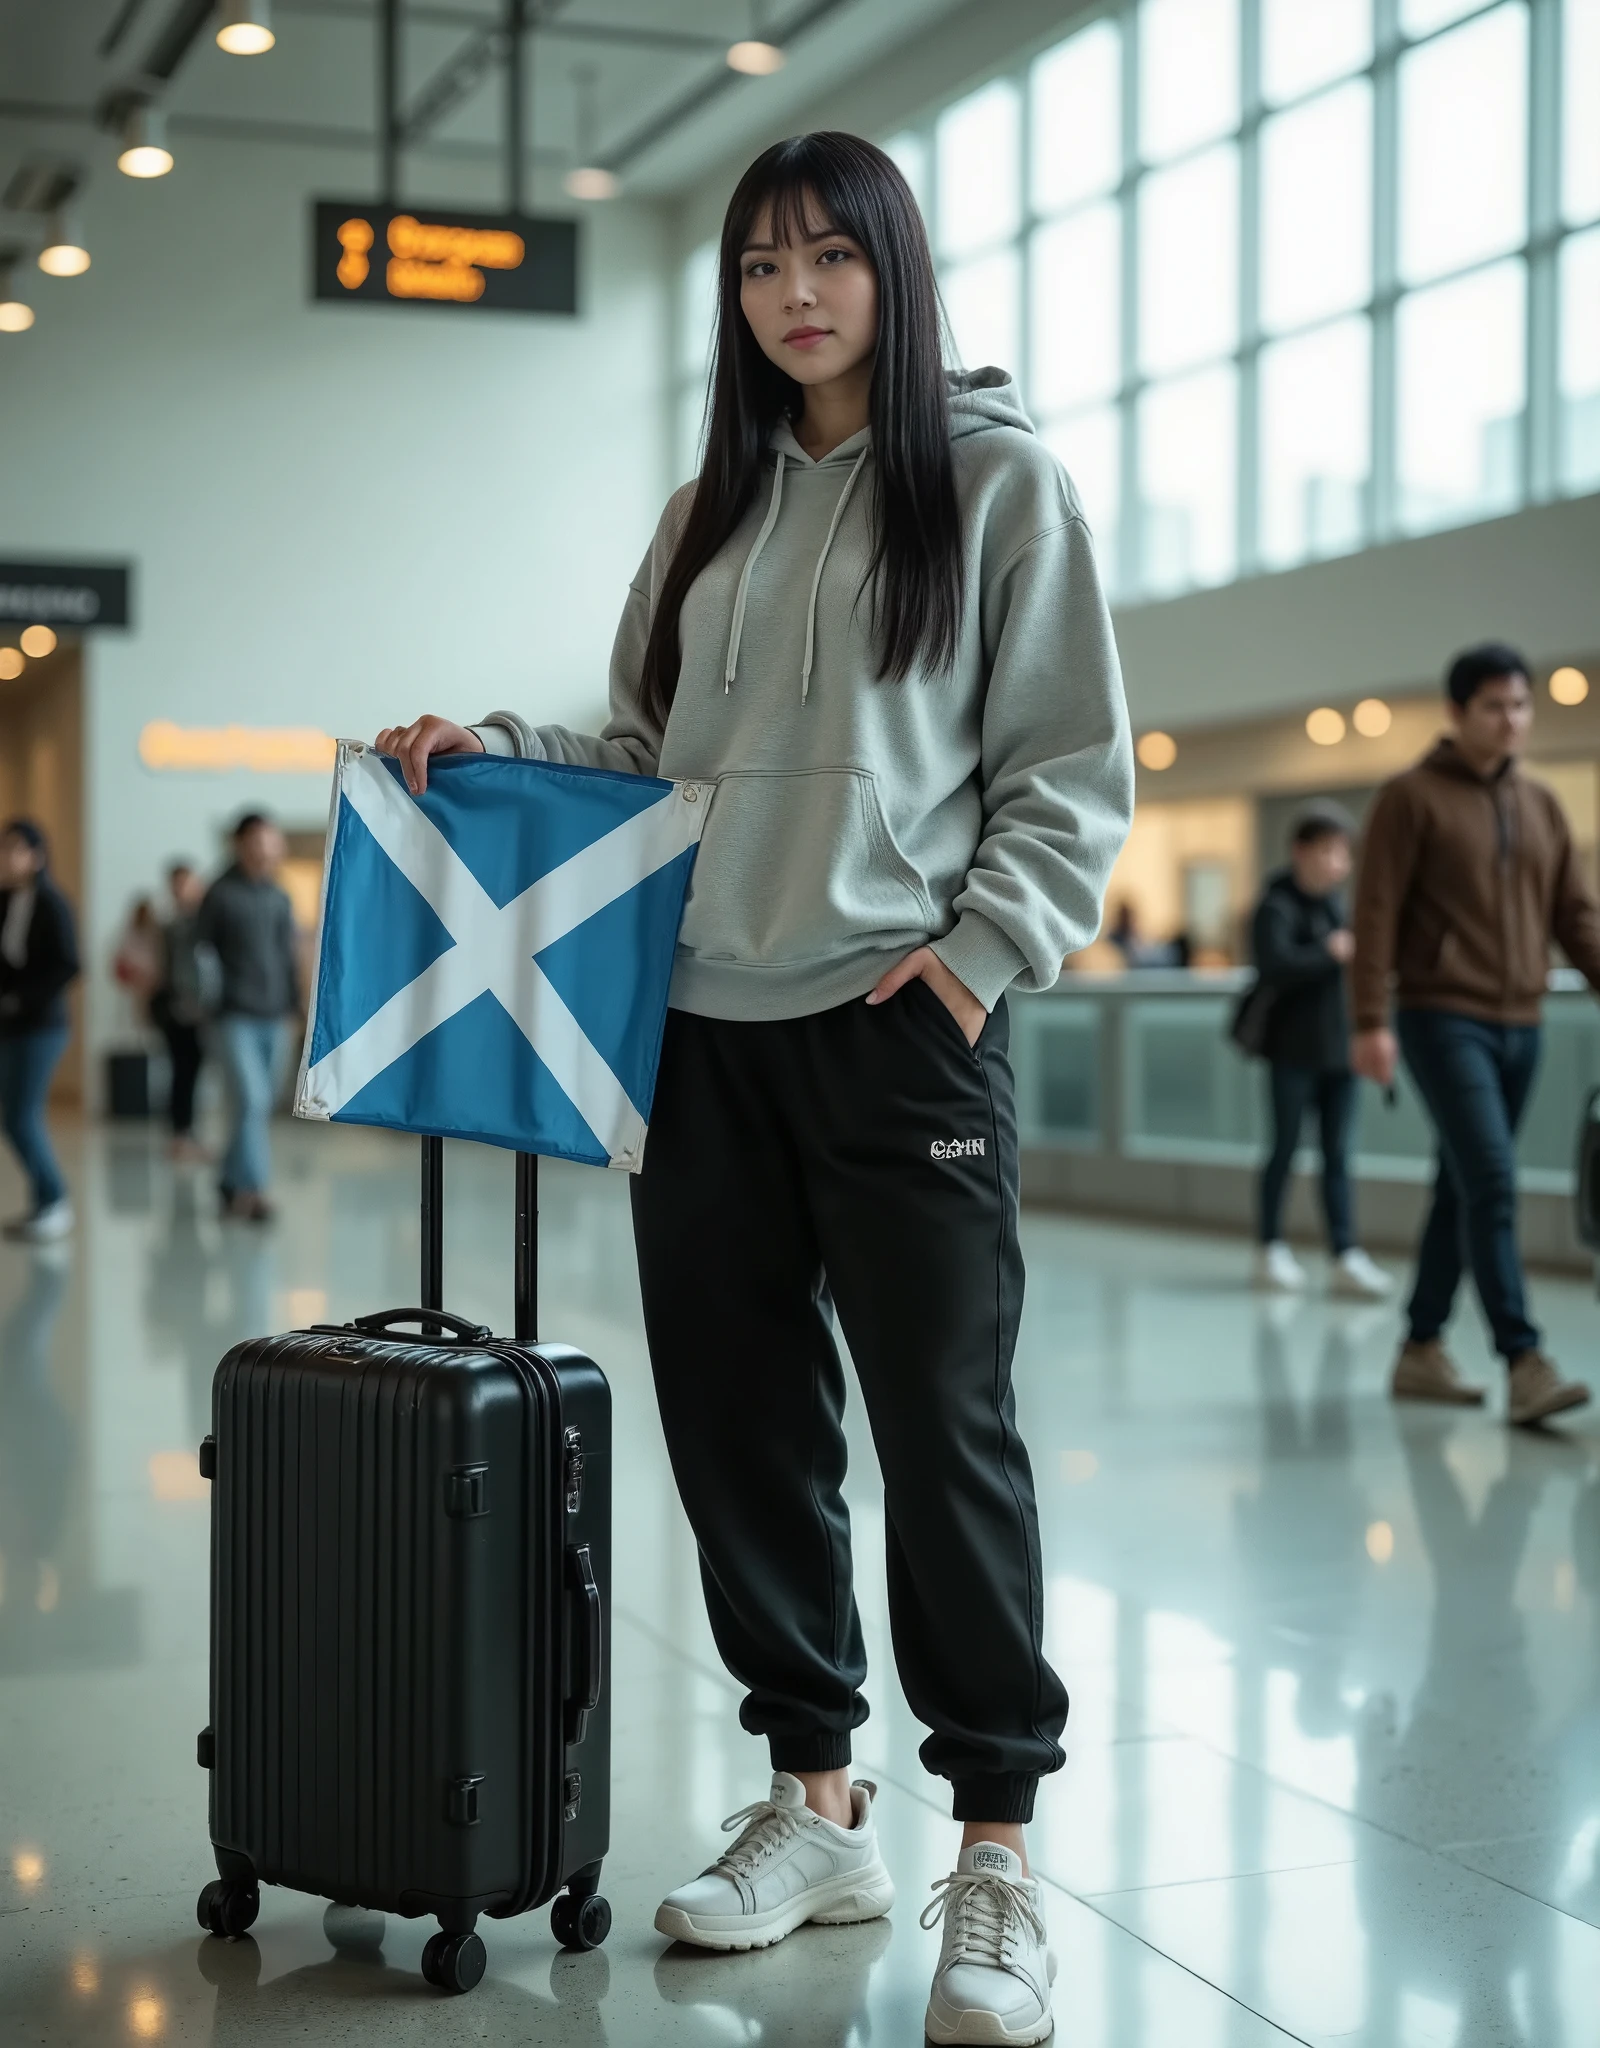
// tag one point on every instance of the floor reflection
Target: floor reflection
(1334, 1760)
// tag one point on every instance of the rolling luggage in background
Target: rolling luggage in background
(410, 1599)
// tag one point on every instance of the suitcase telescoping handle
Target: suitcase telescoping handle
(526, 1259)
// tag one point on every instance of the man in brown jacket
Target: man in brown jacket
(1467, 873)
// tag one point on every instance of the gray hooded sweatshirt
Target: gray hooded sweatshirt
(855, 819)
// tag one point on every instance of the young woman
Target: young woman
(38, 959)
(874, 624)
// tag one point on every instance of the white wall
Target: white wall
(339, 516)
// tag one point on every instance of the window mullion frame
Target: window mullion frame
(1247, 430)
(1381, 521)
(1130, 511)
(1541, 418)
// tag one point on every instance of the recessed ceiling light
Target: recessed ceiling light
(588, 181)
(1569, 685)
(1157, 751)
(1325, 727)
(1372, 718)
(38, 641)
(755, 58)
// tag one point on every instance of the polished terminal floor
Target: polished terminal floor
(1334, 1757)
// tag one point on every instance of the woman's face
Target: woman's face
(812, 305)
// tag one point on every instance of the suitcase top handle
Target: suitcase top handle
(462, 1327)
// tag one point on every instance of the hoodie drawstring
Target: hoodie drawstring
(816, 580)
(736, 631)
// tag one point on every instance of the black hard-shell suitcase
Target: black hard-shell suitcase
(410, 1608)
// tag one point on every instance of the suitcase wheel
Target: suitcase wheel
(228, 1910)
(580, 1923)
(353, 1929)
(455, 1962)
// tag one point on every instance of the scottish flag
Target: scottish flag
(495, 954)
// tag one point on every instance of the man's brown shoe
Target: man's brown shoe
(1427, 1372)
(1538, 1390)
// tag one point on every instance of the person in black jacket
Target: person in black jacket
(38, 958)
(1301, 944)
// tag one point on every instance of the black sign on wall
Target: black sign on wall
(71, 596)
(439, 256)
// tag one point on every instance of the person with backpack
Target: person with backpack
(872, 630)
(38, 963)
(1467, 874)
(1301, 945)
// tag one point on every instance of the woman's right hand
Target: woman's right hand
(412, 744)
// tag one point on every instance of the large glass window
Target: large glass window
(1464, 145)
(1316, 413)
(980, 183)
(1239, 409)
(1075, 351)
(1304, 46)
(984, 301)
(1460, 391)
(1188, 74)
(1187, 471)
(910, 153)
(1580, 129)
(1580, 362)
(1075, 118)
(1316, 208)
(1090, 444)
(1189, 261)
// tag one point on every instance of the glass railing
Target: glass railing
(1140, 1066)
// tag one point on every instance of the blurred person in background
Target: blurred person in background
(178, 1004)
(1301, 943)
(136, 964)
(38, 960)
(247, 922)
(1467, 874)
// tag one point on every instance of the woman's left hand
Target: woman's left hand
(925, 965)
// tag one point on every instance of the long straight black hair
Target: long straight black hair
(814, 183)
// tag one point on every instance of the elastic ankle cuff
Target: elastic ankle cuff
(1007, 1796)
(825, 1752)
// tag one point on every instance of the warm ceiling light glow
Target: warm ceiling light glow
(244, 28)
(62, 256)
(1157, 750)
(11, 664)
(27, 1867)
(1380, 1542)
(1569, 686)
(756, 59)
(144, 144)
(38, 641)
(1325, 727)
(15, 317)
(588, 181)
(1372, 718)
(85, 1975)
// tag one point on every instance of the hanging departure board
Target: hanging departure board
(439, 256)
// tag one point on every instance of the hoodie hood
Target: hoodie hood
(980, 401)
(1446, 758)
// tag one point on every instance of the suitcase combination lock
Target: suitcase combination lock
(572, 1469)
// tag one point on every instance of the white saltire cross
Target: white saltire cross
(494, 947)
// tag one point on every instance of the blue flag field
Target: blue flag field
(495, 954)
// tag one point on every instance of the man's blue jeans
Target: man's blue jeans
(1474, 1079)
(26, 1063)
(249, 1047)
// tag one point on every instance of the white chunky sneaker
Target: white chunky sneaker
(44, 1226)
(788, 1866)
(1278, 1270)
(995, 1969)
(1357, 1277)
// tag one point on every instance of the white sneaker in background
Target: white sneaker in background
(1278, 1270)
(995, 1968)
(788, 1866)
(1357, 1277)
(44, 1226)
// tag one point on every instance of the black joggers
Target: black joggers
(862, 1160)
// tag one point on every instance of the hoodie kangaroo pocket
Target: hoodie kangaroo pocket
(799, 864)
